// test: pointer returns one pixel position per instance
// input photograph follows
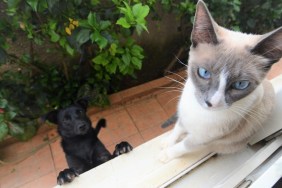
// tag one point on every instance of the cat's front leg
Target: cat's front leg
(174, 136)
(187, 145)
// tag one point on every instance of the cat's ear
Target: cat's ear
(270, 46)
(203, 28)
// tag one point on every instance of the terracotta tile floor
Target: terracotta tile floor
(136, 117)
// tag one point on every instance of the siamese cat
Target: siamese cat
(226, 97)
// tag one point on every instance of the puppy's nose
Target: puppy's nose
(82, 127)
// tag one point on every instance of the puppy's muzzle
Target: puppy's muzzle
(82, 128)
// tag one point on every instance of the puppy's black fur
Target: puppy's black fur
(83, 149)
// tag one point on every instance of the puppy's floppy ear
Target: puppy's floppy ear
(82, 103)
(51, 116)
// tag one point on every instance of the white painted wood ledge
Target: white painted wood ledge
(141, 168)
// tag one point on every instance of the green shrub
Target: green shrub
(94, 35)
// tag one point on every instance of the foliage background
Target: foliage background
(97, 44)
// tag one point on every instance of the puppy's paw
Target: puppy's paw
(121, 148)
(164, 157)
(66, 176)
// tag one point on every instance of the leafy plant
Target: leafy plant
(134, 17)
(22, 130)
(90, 32)
(260, 16)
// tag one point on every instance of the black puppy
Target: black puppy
(83, 149)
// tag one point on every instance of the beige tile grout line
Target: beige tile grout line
(150, 87)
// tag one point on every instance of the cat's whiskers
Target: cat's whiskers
(183, 78)
(172, 79)
(172, 99)
(251, 114)
(173, 88)
(179, 61)
(251, 117)
(252, 111)
(171, 91)
(240, 114)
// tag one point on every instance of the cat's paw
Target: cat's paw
(164, 143)
(164, 157)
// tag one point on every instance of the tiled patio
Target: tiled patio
(135, 116)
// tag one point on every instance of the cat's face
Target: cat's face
(223, 77)
(226, 66)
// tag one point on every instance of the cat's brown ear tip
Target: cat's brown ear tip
(270, 46)
(202, 9)
(201, 4)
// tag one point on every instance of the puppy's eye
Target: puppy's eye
(79, 112)
(66, 118)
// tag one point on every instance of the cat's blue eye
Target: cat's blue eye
(241, 85)
(203, 73)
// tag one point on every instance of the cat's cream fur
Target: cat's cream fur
(222, 127)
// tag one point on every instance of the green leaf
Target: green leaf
(52, 24)
(10, 115)
(1, 117)
(83, 36)
(92, 20)
(129, 42)
(123, 23)
(54, 36)
(95, 2)
(128, 12)
(97, 67)
(137, 51)
(99, 39)
(69, 49)
(33, 4)
(51, 4)
(16, 129)
(139, 29)
(63, 42)
(137, 62)
(104, 24)
(122, 68)
(100, 60)
(84, 24)
(77, 2)
(112, 67)
(139, 11)
(24, 131)
(126, 58)
(12, 7)
(3, 103)
(3, 131)
(113, 49)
